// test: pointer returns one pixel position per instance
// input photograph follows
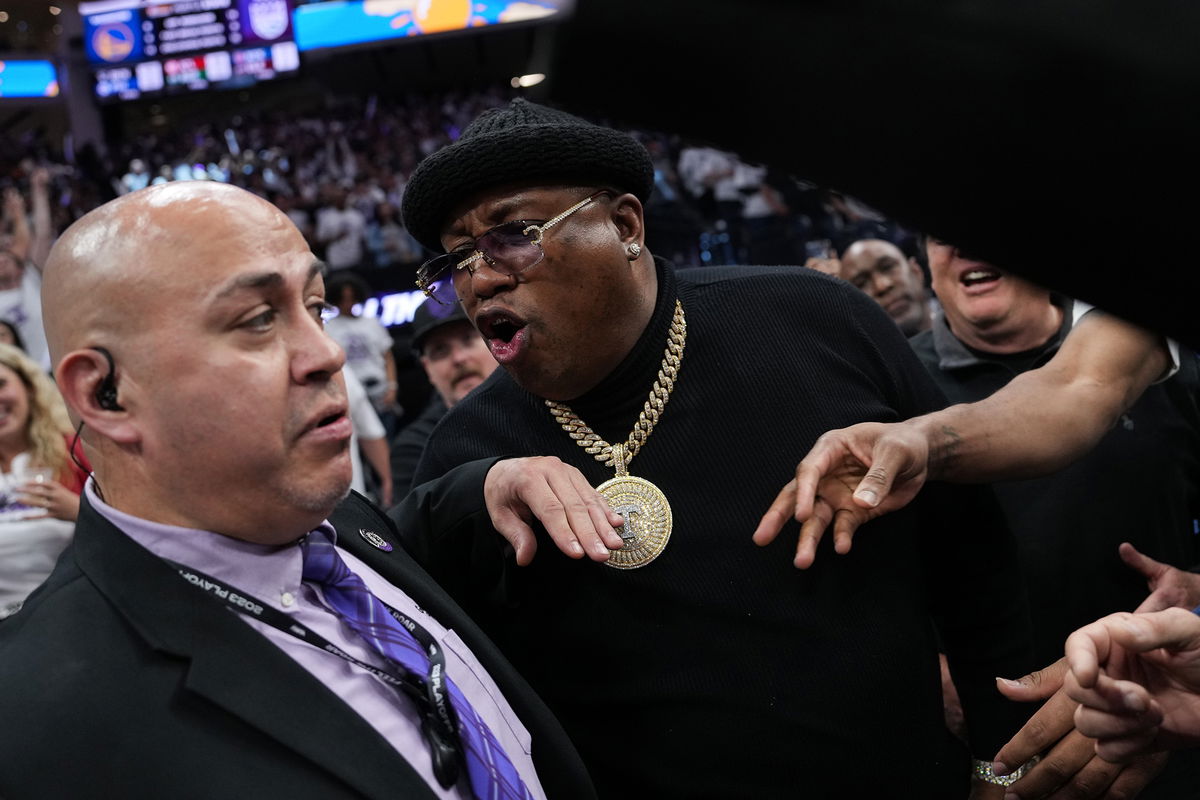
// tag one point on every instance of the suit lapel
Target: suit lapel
(233, 666)
(559, 766)
(355, 534)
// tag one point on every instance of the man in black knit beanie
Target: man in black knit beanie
(690, 663)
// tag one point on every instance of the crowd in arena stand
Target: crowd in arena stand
(339, 172)
(339, 169)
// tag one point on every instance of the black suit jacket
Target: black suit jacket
(120, 680)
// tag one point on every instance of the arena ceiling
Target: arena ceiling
(31, 26)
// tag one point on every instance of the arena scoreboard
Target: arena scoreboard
(140, 48)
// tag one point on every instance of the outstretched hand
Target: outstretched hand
(850, 476)
(1069, 765)
(517, 491)
(1137, 680)
(1169, 587)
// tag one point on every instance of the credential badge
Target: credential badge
(375, 540)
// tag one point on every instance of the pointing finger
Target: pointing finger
(777, 515)
(811, 532)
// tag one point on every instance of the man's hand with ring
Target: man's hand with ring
(1069, 766)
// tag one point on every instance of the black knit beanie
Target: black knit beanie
(522, 141)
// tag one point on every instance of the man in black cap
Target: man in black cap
(456, 360)
(696, 665)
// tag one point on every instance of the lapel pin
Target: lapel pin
(375, 540)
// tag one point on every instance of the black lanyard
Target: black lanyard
(430, 695)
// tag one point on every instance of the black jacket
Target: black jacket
(123, 681)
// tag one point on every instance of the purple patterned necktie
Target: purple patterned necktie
(492, 775)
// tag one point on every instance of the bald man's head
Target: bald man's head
(107, 271)
(229, 412)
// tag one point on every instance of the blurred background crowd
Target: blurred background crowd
(356, 153)
(338, 168)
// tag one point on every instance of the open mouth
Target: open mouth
(979, 276)
(499, 325)
(329, 420)
(329, 423)
(504, 332)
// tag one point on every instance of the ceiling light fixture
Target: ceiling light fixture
(525, 81)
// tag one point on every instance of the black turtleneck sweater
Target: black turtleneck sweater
(720, 670)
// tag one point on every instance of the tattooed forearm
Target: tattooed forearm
(943, 448)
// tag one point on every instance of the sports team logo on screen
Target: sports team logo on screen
(113, 42)
(268, 19)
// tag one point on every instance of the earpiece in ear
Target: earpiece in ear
(106, 392)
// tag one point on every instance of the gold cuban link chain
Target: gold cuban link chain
(618, 457)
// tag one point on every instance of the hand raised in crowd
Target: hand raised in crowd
(1069, 765)
(520, 490)
(39, 178)
(850, 476)
(57, 500)
(1169, 586)
(1137, 680)
(14, 204)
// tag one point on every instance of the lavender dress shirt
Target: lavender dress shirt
(272, 576)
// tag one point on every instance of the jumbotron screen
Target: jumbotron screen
(336, 23)
(142, 48)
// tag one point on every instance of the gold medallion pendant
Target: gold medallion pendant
(643, 507)
(647, 519)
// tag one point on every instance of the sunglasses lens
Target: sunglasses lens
(508, 248)
(442, 290)
(437, 277)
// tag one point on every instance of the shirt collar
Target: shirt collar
(953, 354)
(263, 571)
